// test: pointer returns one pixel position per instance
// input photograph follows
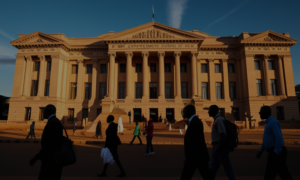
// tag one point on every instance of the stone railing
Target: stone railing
(120, 101)
(137, 101)
(153, 100)
(170, 100)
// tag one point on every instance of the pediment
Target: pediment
(269, 37)
(153, 31)
(36, 38)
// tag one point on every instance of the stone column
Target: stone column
(289, 76)
(28, 80)
(112, 58)
(42, 76)
(281, 76)
(129, 85)
(194, 74)
(80, 83)
(239, 86)
(225, 80)
(145, 75)
(94, 79)
(266, 73)
(212, 83)
(55, 76)
(19, 76)
(177, 55)
(65, 75)
(161, 92)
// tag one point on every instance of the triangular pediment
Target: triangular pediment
(269, 37)
(36, 38)
(153, 31)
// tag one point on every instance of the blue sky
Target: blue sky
(91, 18)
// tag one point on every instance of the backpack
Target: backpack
(232, 132)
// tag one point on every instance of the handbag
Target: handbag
(67, 155)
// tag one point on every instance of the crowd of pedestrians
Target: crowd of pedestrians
(195, 149)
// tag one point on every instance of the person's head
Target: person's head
(213, 110)
(188, 111)
(110, 118)
(136, 123)
(33, 122)
(150, 120)
(49, 110)
(265, 112)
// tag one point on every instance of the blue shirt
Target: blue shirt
(32, 127)
(191, 118)
(272, 136)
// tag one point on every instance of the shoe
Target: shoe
(146, 154)
(102, 175)
(151, 153)
(123, 174)
(141, 144)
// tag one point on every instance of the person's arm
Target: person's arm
(278, 136)
(220, 123)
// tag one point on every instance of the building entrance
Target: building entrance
(154, 114)
(137, 114)
(170, 114)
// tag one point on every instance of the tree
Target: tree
(4, 107)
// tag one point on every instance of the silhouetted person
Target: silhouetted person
(98, 129)
(51, 143)
(112, 142)
(196, 153)
(149, 129)
(74, 128)
(220, 151)
(136, 133)
(273, 143)
(31, 132)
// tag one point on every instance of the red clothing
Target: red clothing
(149, 129)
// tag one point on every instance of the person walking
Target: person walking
(31, 131)
(220, 151)
(120, 126)
(136, 133)
(273, 143)
(196, 153)
(149, 129)
(74, 128)
(98, 130)
(51, 142)
(112, 142)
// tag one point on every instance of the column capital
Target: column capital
(280, 56)
(287, 55)
(94, 61)
(224, 60)
(161, 53)
(266, 56)
(28, 58)
(250, 55)
(112, 54)
(80, 61)
(42, 58)
(66, 60)
(129, 54)
(55, 56)
(145, 53)
(194, 54)
(20, 57)
(177, 53)
(210, 60)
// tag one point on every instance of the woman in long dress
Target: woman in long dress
(120, 125)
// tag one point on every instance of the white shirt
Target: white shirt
(191, 118)
(51, 116)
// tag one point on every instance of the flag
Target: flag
(153, 13)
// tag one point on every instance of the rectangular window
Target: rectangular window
(73, 91)
(259, 87)
(122, 68)
(235, 114)
(122, 88)
(232, 90)
(168, 90)
(99, 111)
(138, 67)
(230, 68)
(167, 67)
(204, 90)
(89, 68)
(219, 90)
(138, 90)
(102, 90)
(270, 65)
(47, 88)
(102, 68)
(257, 65)
(27, 114)
(87, 90)
(153, 90)
(85, 113)
(280, 112)
(152, 67)
(34, 88)
(70, 114)
(218, 68)
(41, 115)
(49, 65)
(183, 67)
(273, 87)
(204, 68)
(37, 66)
(74, 69)
(184, 90)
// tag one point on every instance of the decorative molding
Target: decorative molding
(28, 58)
(94, 61)
(66, 60)
(42, 58)
(80, 61)
(280, 57)
(267, 56)
(250, 55)
(39, 40)
(177, 54)
(19, 57)
(194, 54)
(161, 54)
(198, 60)
(210, 60)
(224, 60)
(129, 54)
(55, 56)
(145, 54)
(154, 33)
(112, 54)
(287, 55)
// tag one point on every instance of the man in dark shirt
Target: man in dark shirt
(31, 132)
(274, 144)
(51, 143)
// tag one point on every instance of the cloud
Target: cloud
(175, 12)
(7, 61)
(226, 15)
(6, 35)
(7, 51)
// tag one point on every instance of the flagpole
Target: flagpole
(153, 13)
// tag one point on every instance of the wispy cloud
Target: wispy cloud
(175, 12)
(7, 61)
(6, 35)
(226, 15)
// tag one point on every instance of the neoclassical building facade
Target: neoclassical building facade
(153, 70)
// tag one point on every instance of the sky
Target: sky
(90, 18)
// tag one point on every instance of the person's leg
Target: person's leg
(140, 139)
(283, 170)
(28, 135)
(148, 144)
(188, 171)
(215, 163)
(223, 155)
(271, 167)
(103, 174)
(151, 147)
(117, 160)
(205, 172)
(132, 140)
(33, 134)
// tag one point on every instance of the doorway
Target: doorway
(137, 114)
(280, 112)
(154, 114)
(170, 114)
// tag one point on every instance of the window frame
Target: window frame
(119, 94)
(183, 67)
(89, 68)
(168, 65)
(234, 90)
(138, 67)
(153, 67)
(207, 91)
(76, 68)
(221, 90)
(218, 65)
(122, 68)
(170, 88)
(101, 66)
(87, 94)
(257, 62)
(206, 69)
(187, 90)
(233, 67)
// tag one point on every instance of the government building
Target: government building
(153, 70)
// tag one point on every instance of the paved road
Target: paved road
(167, 163)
